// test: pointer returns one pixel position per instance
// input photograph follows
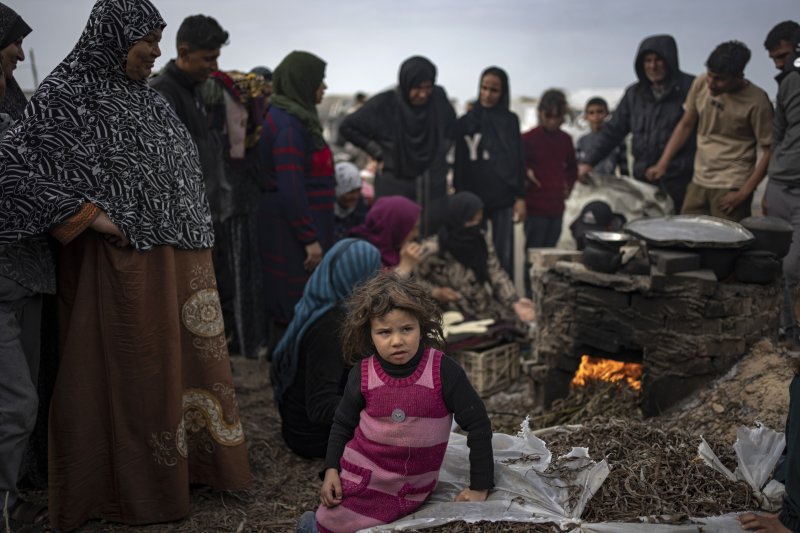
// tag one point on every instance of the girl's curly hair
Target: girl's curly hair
(379, 296)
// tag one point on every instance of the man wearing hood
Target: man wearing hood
(649, 110)
(198, 41)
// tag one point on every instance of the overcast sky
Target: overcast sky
(571, 44)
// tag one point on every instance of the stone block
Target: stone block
(716, 308)
(545, 258)
(577, 272)
(701, 326)
(642, 322)
(604, 339)
(721, 347)
(662, 307)
(661, 393)
(703, 274)
(671, 284)
(603, 298)
(672, 261)
(740, 326)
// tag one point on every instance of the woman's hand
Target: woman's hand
(445, 294)
(469, 495)
(410, 255)
(111, 233)
(331, 493)
(525, 310)
(313, 256)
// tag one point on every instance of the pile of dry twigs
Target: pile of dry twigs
(654, 473)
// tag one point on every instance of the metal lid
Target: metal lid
(690, 231)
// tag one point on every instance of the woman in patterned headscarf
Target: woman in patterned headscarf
(144, 402)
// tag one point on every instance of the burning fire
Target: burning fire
(607, 370)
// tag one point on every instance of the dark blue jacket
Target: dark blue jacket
(650, 121)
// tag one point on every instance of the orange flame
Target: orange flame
(607, 370)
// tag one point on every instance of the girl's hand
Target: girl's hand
(469, 495)
(762, 523)
(331, 493)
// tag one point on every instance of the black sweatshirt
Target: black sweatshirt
(309, 403)
(459, 397)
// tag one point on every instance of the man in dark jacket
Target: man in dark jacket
(649, 110)
(199, 40)
(782, 197)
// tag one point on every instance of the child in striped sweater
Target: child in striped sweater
(391, 428)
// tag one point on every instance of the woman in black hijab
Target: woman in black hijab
(489, 161)
(407, 129)
(12, 31)
(464, 270)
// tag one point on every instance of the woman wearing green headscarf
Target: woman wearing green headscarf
(296, 215)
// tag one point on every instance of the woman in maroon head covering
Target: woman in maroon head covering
(392, 226)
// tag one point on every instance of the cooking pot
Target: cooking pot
(610, 240)
(758, 266)
(772, 234)
(720, 260)
(598, 257)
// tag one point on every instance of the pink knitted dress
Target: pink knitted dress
(391, 464)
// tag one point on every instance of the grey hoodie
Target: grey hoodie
(784, 163)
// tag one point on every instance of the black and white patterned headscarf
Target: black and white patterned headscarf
(91, 134)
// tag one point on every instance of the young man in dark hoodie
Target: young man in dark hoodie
(198, 41)
(782, 197)
(783, 201)
(649, 110)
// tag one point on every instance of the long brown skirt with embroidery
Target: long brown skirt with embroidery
(144, 402)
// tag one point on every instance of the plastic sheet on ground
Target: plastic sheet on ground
(757, 452)
(525, 491)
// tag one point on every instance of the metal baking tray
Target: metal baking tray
(690, 231)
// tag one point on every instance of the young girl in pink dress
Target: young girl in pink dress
(391, 428)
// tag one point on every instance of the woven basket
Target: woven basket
(491, 370)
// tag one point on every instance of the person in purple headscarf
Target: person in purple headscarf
(392, 226)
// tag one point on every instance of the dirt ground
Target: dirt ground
(284, 486)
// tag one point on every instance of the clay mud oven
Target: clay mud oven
(682, 324)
